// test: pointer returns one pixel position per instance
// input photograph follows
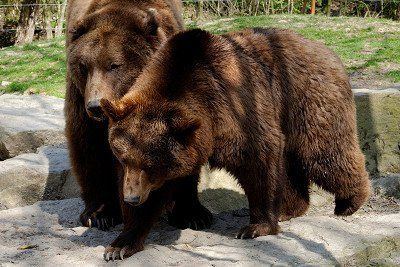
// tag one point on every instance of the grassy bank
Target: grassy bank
(368, 47)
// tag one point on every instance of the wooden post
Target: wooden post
(313, 7)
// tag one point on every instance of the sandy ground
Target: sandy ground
(47, 233)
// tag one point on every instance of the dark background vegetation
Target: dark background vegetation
(22, 21)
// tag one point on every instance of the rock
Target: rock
(28, 122)
(55, 237)
(220, 191)
(5, 83)
(388, 185)
(378, 119)
(28, 178)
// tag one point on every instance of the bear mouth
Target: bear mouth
(99, 118)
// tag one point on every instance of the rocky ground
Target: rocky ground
(47, 233)
(34, 166)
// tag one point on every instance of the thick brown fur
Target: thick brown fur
(108, 44)
(276, 110)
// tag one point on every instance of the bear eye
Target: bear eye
(115, 66)
(83, 69)
(123, 161)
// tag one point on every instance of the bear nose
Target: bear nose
(95, 110)
(133, 200)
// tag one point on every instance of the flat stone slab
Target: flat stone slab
(48, 233)
(28, 122)
(28, 178)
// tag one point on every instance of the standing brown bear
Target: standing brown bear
(271, 107)
(108, 44)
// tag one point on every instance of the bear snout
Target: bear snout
(133, 200)
(94, 109)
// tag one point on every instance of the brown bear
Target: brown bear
(276, 110)
(108, 43)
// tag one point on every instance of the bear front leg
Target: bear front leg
(187, 211)
(263, 220)
(264, 199)
(93, 164)
(138, 221)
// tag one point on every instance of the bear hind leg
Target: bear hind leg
(344, 175)
(295, 202)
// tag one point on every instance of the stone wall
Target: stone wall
(378, 121)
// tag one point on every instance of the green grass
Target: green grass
(368, 47)
(365, 45)
(38, 67)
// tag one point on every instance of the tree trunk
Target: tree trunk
(61, 18)
(398, 12)
(46, 22)
(272, 6)
(292, 7)
(26, 23)
(328, 7)
(312, 7)
(2, 18)
(343, 9)
(257, 7)
(199, 9)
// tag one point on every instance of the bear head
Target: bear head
(107, 50)
(155, 142)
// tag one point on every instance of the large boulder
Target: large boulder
(28, 178)
(378, 121)
(28, 122)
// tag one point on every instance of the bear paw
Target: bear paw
(346, 207)
(119, 253)
(124, 246)
(197, 218)
(100, 217)
(285, 217)
(258, 229)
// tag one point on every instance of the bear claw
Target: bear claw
(99, 218)
(256, 230)
(118, 253)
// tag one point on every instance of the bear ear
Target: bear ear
(113, 112)
(185, 129)
(151, 22)
(79, 29)
(152, 25)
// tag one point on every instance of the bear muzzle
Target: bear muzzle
(95, 111)
(132, 200)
